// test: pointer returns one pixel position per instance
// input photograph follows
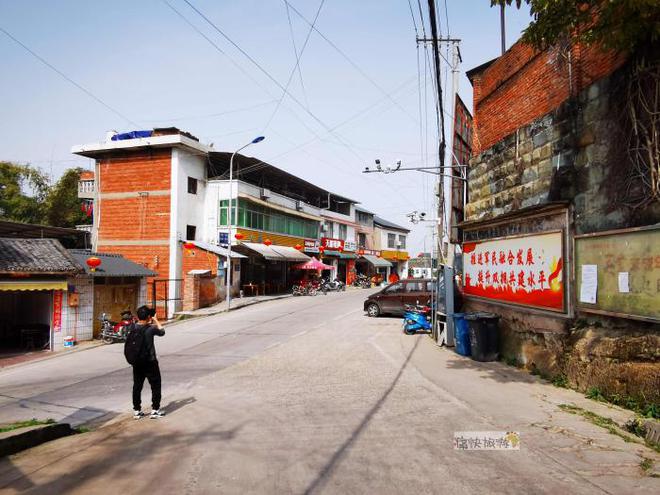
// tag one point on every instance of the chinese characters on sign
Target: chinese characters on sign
(57, 311)
(311, 246)
(486, 440)
(332, 244)
(521, 270)
(350, 246)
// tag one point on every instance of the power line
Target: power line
(413, 19)
(295, 51)
(296, 66)
(210, 115)
(67, 78)
(347, 58)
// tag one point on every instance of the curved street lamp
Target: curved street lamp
(256, 140)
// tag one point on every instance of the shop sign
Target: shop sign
(350, 246)
(369, 252)
(332, 244)
(57, 311)
(521, 270)
(312, 246)
(223, 239)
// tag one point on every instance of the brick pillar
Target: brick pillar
(191, 292)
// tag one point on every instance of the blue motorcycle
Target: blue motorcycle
(416, 319)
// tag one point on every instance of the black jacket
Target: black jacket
(149, 332)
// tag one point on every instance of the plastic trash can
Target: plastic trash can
(462, 335)
(484, 338)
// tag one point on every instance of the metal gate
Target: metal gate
(161, 299)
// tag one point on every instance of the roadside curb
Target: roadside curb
(91, 344)
(15, 441)
(183, 317)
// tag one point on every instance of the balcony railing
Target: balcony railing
(86, 189)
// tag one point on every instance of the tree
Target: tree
(23, 191)
(63, 204)
(621, 25)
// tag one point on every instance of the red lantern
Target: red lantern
(298, 247)
(420, 255)
(268, 242)
(341, 249)
(188, 245)
(239, 236)
(378, 255)
(93, 263)
(321, 249)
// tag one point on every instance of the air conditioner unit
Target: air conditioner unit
(265, 193)
(299, 205)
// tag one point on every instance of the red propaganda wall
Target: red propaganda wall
(525, 270)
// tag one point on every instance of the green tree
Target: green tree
(23, 191)
(622, 25)
(63, 204)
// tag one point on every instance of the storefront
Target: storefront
(37, 306)
(338, 254)
(370, 263)
(267, 268)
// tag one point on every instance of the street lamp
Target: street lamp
(256, 140)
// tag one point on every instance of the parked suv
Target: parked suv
(393, 298)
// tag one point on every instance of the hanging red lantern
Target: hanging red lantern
(189, 245)
(268, 242)
(420, 255)
(93, 263)
(321, 249)
(298, 247)
(239, 236)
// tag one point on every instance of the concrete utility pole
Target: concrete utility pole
(502, 28)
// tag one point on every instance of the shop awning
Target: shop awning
(340, 255)
(219, 250)
(32, 284)
(376, 261)
(291, 254)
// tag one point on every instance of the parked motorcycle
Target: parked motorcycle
(306, 289)
(416, 318)
(116, 332)
(335, 285)
(362, 281)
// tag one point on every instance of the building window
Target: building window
(259, 217)
(329, 229)
(362, 240)
(343, 231)
(391, 241)
(402, 241)
(192, 185)
(191, 230)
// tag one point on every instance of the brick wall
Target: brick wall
(523, 85)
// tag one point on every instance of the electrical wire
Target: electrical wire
(67, 78)
(296, 66)
(295, 52)
(211, 115)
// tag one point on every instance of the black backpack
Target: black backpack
(135, 348)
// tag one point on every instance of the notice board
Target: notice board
(526, 270)
(621, 271)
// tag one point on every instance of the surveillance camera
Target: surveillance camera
(366, 169)
(422, 214)
(377, 161)
(398, 162)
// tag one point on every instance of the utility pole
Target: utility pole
(502, 28)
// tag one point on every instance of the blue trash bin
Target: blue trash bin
(462, 333)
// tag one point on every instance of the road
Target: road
(308, 395)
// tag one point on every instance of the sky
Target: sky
(356, 94)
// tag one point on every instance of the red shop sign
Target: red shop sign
(332, 244)
(57, 311)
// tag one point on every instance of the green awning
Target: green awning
(340, 255)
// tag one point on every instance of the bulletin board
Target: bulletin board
(618, 273)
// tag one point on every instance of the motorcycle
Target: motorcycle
(116, 332)
(362, 281)
(416, 318)
(335, 285)
(306, 289)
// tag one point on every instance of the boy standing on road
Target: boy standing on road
(147, 364)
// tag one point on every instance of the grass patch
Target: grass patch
(25, 424)
(594, 393)
(82, 429)
(560, 381)
(646, 464)
(605, 423)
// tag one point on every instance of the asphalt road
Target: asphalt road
(308, 395)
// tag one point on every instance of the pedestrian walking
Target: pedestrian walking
(140, 352)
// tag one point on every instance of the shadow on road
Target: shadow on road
(493, 370)
(340, 453)
(175, 405)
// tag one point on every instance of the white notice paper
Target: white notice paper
(589, 284)
(623, 282)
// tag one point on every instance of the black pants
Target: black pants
(151, 372)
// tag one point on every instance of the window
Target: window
(191, 230)
(259, 217)
(414, 286)
(362, 240)
(391, 241)
(402, 241)
(192, 185)
(343, 231)
(393, 289)
(329, 229)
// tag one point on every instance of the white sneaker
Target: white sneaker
(157, 413)
(138, 414)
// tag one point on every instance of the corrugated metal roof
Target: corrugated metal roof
(219, 250)
(376, 261)
(112, 265)
(35, 256)
(387, 224)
